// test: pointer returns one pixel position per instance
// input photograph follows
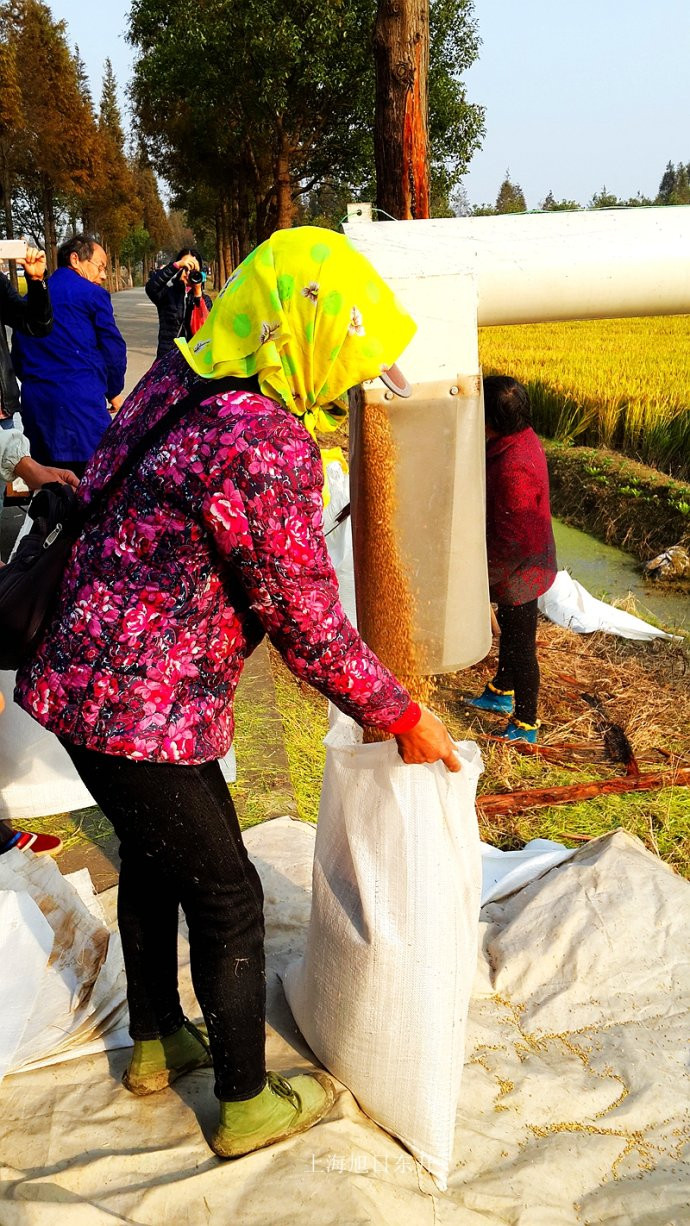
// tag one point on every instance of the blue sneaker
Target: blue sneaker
(500, 702)
(516, 730)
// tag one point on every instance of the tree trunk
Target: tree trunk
(265, 216)
(401, 55)
(229, 254)
(109, 272)
(9, 226)
(243, 220)
(224, 254)
(49, 235)
(285, 205)
(219, 278)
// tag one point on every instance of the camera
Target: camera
(196, 278)
(12, 248)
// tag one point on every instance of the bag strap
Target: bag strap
(201, 391)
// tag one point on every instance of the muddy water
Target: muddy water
(609, 574)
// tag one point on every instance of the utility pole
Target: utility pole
(401, 56)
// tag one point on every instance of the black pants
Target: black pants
(181, 846)
(518, 668)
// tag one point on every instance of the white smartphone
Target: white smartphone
(12, 249)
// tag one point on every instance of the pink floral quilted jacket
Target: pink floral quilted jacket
(212, 541)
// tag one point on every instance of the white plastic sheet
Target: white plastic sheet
(339, 537)
(569, 604)
(504, 872)
(61, 970)
(392, 938)
(573, 1107)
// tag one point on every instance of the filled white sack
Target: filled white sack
(382, 992)
(569, 604)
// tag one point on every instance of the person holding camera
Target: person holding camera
(32, 315)
(177, 290)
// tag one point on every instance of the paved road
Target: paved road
(137, 319)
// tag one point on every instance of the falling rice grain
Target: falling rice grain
(385, 603)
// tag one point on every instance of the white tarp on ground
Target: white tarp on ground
(573, 1109)
(569, 604)
(62, 983)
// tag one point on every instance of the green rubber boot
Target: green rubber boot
(156, 1063)
(282, 1109)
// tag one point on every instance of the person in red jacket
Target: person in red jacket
(521, 551)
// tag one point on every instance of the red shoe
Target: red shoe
(39, 844)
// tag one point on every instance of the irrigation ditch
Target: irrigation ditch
(618, 500)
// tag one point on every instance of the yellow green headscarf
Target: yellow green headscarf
(310, 317)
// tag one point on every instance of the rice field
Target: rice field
(618, 383)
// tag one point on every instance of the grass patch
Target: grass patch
(261, 790)
(304, 715)
(643, 687)
(81, 828)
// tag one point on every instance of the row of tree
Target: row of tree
(63, 164)
(674, 188)
(261, 114)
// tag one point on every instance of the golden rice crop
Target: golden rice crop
(619, 383)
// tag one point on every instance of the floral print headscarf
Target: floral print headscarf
(310, 317)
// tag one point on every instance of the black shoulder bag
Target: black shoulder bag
(30, 583)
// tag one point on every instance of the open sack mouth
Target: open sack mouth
(395, 380)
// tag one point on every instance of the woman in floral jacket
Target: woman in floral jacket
(213, 540)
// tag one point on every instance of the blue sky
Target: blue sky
(580, 95)
(576, 96)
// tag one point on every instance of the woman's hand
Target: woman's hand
(428, 741)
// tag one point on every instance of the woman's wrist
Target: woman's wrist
(407, 721)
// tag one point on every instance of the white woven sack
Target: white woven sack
(382, 992)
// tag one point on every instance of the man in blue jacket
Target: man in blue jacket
(68, 377)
